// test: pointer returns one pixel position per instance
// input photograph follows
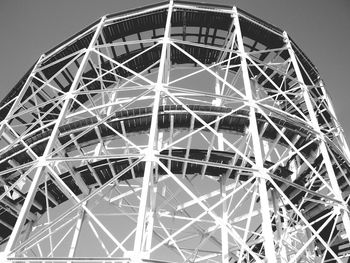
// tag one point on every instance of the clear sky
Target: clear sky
(320, 27)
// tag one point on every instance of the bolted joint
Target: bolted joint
(160, 87)
(69, 96)
(338, 209)
(234, 13)
(343, 208)
(150, 155)
(3, 122)
(286, 40)
(41, 161)
(165, 40)
(285, 37)
(3, 257)
(262, 173)
(252, 103)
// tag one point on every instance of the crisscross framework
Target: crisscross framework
(178, 132)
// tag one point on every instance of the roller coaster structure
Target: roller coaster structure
(177, 132)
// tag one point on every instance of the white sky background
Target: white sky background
(320, 27)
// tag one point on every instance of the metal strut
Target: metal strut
(261, 175)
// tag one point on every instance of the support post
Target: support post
(42, 160)
(261, 175)
(224, 231)
(144, 228)
(323, 147)
(76, 234)
(279, 230)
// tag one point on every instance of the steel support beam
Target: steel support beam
(219, 177)
(42, 160)
(256, 144)
(143, 235)
(323, 146)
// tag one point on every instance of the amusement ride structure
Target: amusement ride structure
(178, 132)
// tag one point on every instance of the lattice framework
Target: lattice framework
(187, 142)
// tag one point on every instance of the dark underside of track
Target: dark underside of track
(211, 30)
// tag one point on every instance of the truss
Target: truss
(178, 132)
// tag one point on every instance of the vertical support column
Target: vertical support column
(144, 228)
(224, 232)
(76, 234)
(261, 175)
(112, 98)
(283, 252)
(42, 160)
(217, 101)
(25, 209)
(323, 146)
